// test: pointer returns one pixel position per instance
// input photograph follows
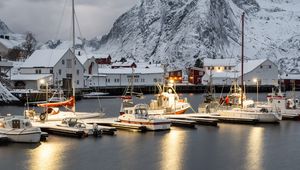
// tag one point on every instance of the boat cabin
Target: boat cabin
(139, 111)
(15, 123)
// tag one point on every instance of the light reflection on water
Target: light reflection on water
(173, 148)
(48, 156)
(254, 147)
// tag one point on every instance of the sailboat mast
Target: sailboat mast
(73, 50)
(242, 60)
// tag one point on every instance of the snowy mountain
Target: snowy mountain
(4, 28)
(177, 32)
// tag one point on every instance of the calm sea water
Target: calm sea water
(228, 146)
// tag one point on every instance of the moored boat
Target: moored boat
(138, 115)
(19, 129)
(168, 102)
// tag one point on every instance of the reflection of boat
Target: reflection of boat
(94, 95)
(138, 115)
(19, 129)
(168, 102)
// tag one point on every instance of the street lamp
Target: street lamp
(256, 81)
(43, 81)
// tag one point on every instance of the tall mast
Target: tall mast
(242, 60)
(73, 50)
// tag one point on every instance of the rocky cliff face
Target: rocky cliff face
(177, 32)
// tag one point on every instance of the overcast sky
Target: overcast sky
(51, 19)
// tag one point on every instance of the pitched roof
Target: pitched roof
(44, 58)
(249, 65)
(29, 76)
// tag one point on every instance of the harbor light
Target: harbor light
(42, 81)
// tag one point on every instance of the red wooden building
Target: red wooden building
(175, 75)
(195, 75)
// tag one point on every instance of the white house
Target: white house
(218, 65)
(31, 81)
(263, 70)
(123, 76)
(57, 63)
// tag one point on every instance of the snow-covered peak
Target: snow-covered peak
(4, 28)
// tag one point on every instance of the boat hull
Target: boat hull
(150, 125)
(19, 135)
(259, 116)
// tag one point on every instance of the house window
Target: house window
(219, 68)
(261, 66)
(69, 63)
(155, 80)
(59, 71)
(178, 73)
(63, 62)
(77, 72)
(270, 66)
(229, 68)
(74, 62)
(51, 71)
(225, 68)
(108, 80)
(136, 80)
(69, 76)
(117, 80)
(77, 81)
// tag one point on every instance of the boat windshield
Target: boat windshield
(142, 112)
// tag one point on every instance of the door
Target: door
(16, 124)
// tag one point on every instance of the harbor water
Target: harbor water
(228, 146)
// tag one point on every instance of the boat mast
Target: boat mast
(73, 50)
(242, 60)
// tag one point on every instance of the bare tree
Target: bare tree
(15, 54)
(29, 44)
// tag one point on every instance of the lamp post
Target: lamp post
(43, 81)
(256, 81)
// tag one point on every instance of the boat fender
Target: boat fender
(43, 116)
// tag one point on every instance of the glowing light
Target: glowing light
(255, 80)
(254, 148)
(172, 150)
(42, 81)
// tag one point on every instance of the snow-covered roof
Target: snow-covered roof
(290, 76)
(29, 76)
(83, 57)
(249, 65)
(219, 62)
(44, 58)
(129, 70)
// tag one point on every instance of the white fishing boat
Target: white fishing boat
(168, 102)
(19, 129)
(138, 115)
(287, 106)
